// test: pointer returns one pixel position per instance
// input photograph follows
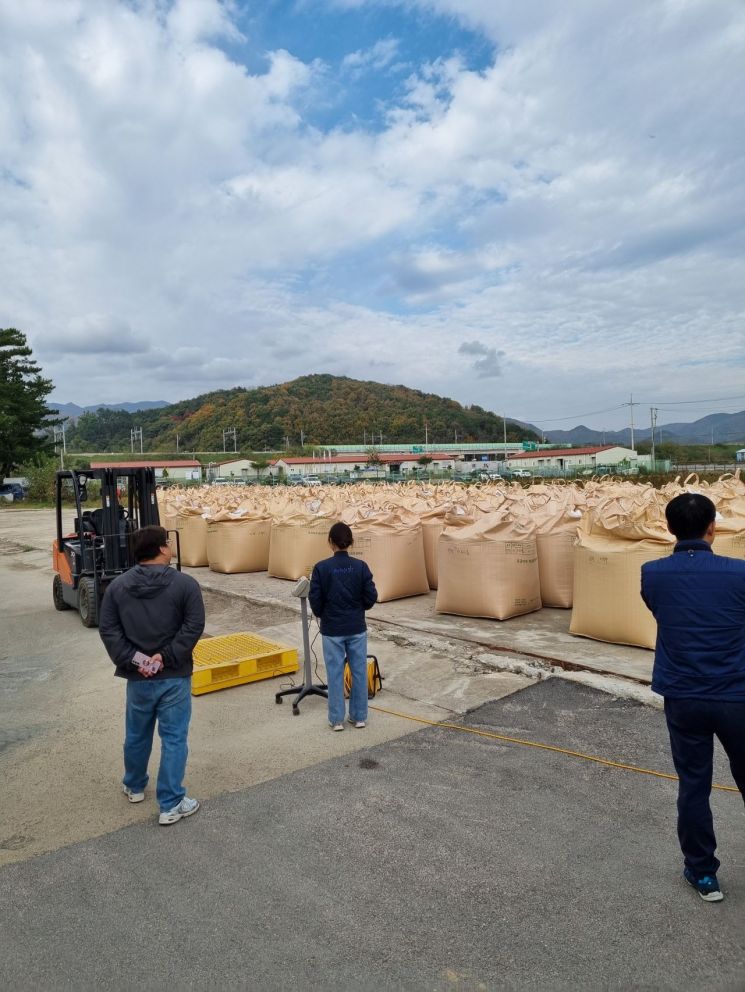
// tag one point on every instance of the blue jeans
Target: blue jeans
(169, 702)
(335, 649)
(693, 724)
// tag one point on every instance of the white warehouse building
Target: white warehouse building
(595, 459)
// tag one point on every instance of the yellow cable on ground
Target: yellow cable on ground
(543, 747)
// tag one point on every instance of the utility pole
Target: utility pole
(135, 432)
(653, 415)
(302, 438)
(177, 440)
(504, 426)
(59, 438)
(426, 435)
(631, 404)
(229, 432)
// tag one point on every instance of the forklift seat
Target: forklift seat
(88, 523)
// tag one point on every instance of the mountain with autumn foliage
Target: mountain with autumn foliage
(314, 410)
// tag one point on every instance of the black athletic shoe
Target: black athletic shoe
(706, 886)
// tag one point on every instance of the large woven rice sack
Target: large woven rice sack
(393, 548)
(556, 534)
(296, 543)
(615, 539)
(729, 536)
(238, 543)
(488, 567)
(192, 535)
(433, 521)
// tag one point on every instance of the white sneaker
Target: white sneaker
(185, 808)
(357, 724)
(134, 797)
(337, 727)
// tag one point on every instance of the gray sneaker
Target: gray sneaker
(134, 797)
(185, 808)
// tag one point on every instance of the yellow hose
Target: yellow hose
(543, 747)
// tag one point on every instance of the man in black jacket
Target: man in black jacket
(151, 618)
(341, 590)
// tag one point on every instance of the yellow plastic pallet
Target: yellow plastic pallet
(235, 659)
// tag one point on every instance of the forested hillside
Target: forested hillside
(323, 409)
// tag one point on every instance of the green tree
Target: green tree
(23, 409)
(259, 465)
(374, 460)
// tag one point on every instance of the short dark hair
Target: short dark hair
(341, 537)
(689, 516)
(148, 541)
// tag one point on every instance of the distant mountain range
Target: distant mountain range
(73, 411)
(716, 428)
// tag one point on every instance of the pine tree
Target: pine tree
(23, 410)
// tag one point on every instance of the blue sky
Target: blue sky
(535, 207)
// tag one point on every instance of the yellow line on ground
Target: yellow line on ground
(543, 747)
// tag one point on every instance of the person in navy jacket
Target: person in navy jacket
(341, 590)
(698, 601)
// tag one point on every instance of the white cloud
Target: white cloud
(93, 334)
(575, 208)
(378, 57)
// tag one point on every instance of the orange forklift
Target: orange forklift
(100, 547)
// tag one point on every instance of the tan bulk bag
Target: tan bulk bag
(192, 535)
(392, 546)
(488, 567)
(238, 542)
(615, 539)
(729, 536)
(296, 543)
(433, 521)
(556, 534)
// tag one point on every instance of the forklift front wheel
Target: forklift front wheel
(87, 607)
(57, 597)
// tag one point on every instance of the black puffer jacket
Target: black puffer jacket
(341, 589)
(153, 609)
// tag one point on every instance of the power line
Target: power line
(592, 413)
(666, 408)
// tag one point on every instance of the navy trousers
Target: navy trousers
(693, 724)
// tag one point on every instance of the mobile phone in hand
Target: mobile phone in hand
(145, 663)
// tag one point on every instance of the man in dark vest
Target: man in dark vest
(698, 601)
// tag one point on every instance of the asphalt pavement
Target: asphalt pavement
(440, 860)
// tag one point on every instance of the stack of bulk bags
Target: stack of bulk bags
(615, 538)
(488, 567)
(191, 526)
(297, 542)
(238, 541)
(392, 546)
(556, 535)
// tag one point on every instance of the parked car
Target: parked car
(521, 473)
(11, 492)
(311, 480)
(486, 475)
